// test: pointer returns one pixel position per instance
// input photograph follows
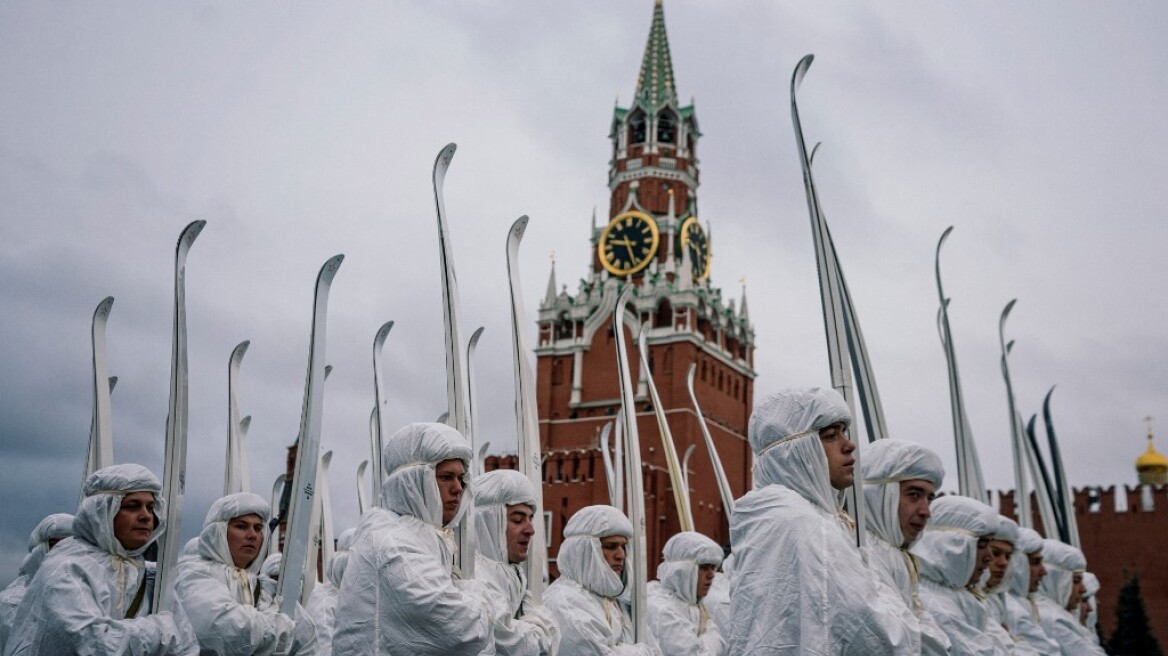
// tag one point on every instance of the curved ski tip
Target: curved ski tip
(328, 369)
(104, 307)
(245, 424)
(362, 467)
(383, 332)
(1009, 306)
(191, 231)
(474, 337)
(329, 269)
(811, 158)
(689, 375)
(519, 227)
(944, 236)
(113, 382)
(1046, 399)
(445, 155)
(327, 457)
(240, 349)
(801, 70)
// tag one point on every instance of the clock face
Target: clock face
(628, 243)
(694, 239)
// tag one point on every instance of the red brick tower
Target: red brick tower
(652, 240)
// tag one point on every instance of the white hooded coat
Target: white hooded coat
(1021, 613)
(399, 594)
(800, 585)
(322, 603)
(78, 601)
(678, 620)
(53, 527)
(886, 464)
(947, 554)
(231, 613)
(1090, 593)
(520, 627)
(583, 600)
(1062, 561)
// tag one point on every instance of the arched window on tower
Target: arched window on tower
(663, 317)
(667, 127)
(637, 127)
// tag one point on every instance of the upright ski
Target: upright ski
(719, 473)
(456, 400)
(836, 306)
(1017, 440)
(377, 421)
(969, 478)
(362, 502)
(308, 452)
(175, 476)
(233, 473)
(471, 414)
(101, 432)
(676, 473)
(638, 557)
(526, 414)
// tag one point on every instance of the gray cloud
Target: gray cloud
(302, 131)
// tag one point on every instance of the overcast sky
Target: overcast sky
(301, 130)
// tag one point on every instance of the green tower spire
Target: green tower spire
(655, 85)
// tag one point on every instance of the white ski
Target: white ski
(233, 473)
(244, 472)
(362, 502)
(527, 415)
(308, 452)
(471, 414)
(969, 478)
(638, 557)
(274, 540)
(719, 473)
(456, 400)
(1017, 441)
(101, 433)
(175, 470)
(831, 294)
(377, 421)
(676, 473)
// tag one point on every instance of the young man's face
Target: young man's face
(1000, 552)
(838, 448)
(134, 521)
(449, 474)
(983, 560)
(913, 512)
(613, 548)
(245, 538)
(1037, 570)
(705, 579)
(1077, 589)
(519, 532)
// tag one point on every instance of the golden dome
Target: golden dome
(1152, 459)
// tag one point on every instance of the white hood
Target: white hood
(580, 558)
(947, 550)
(1018, 576)
(54, 527)
(213, 539)
(1061, 561)
(784, 435)
(886, 463)
(684, 553)
(494, 491)
(409, 458)
(336, 567)
(104, 491)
